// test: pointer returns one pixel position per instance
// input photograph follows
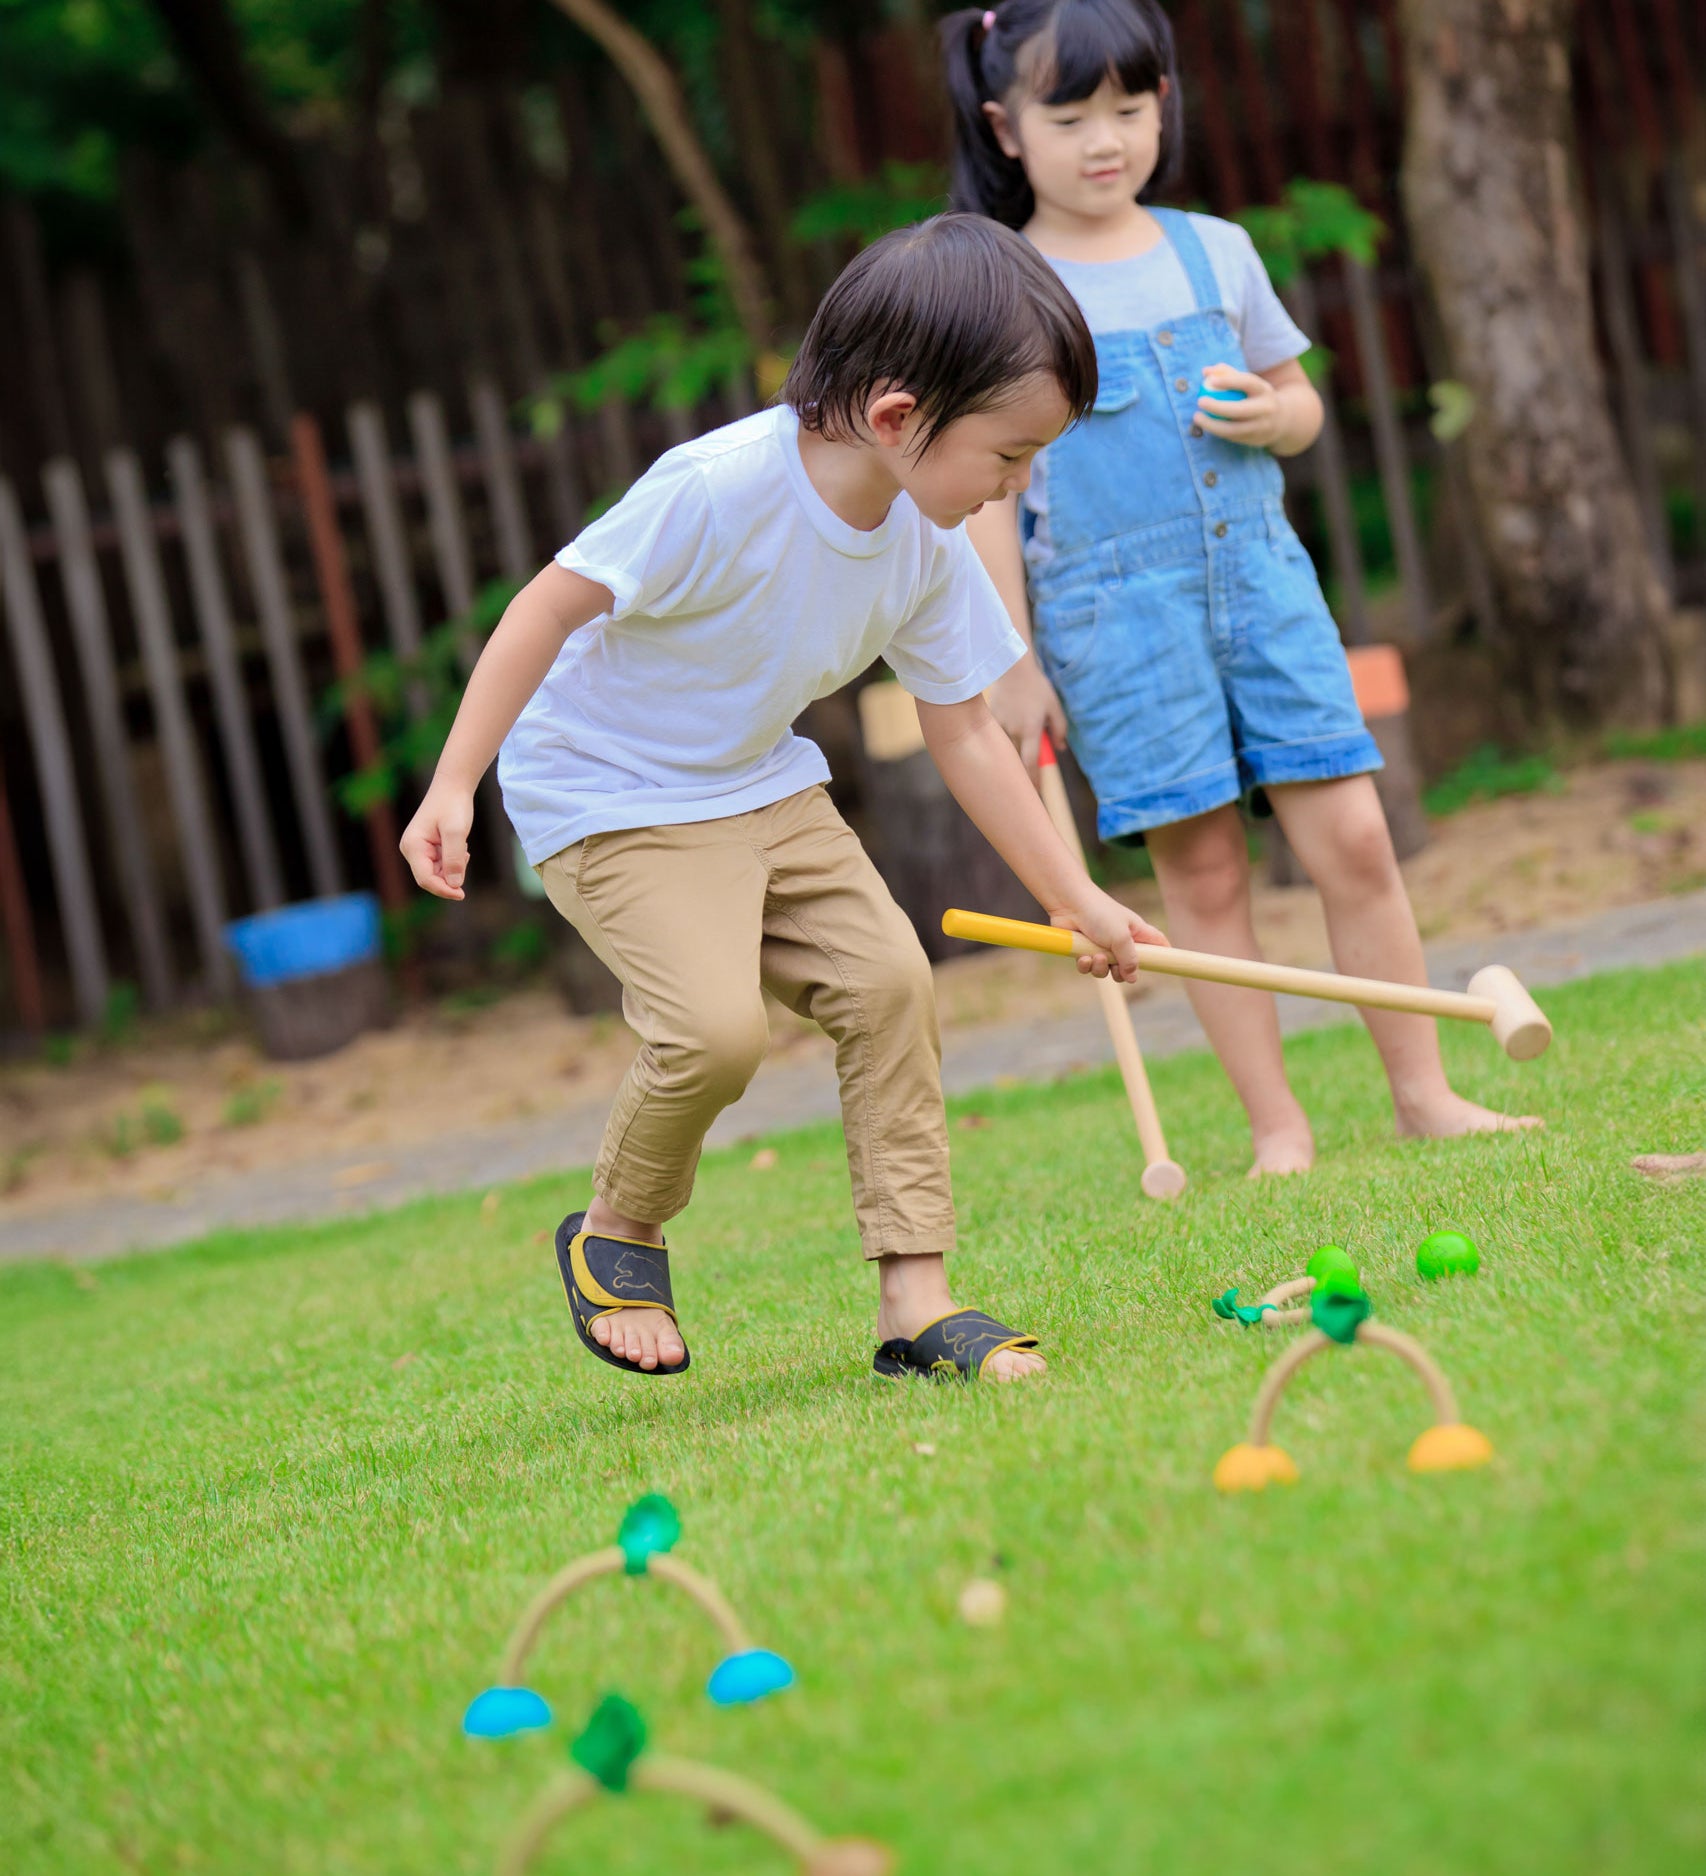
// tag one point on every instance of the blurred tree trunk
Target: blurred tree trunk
(755, 123)
(1492, 200)
(660, 96)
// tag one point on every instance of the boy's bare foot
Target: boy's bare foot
(646, 1337)
(1447, 1116)
(1283, 1150)
(915, 1294)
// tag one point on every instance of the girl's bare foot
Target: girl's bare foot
(646, 1337)
(914, 1293)
(1447, 1116)
(1671, 1165)
(1281, 1150)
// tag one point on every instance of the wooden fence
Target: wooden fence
(171, 638)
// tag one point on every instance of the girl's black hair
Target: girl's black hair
(1057, 52)
(957, 310)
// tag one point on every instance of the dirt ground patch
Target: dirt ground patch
(170, 1108)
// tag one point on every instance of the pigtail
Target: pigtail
(986, 180)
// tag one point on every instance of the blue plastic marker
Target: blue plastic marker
(1224, 397)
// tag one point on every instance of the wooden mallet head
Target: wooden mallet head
(1518, 1023)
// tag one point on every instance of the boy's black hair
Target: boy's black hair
(1056, 52)
(957, 310)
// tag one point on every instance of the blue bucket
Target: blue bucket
(306, 940)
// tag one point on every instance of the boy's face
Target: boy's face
(981, 458)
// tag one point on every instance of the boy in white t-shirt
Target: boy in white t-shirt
(643, 687)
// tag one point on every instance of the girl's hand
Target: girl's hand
(1258, 422)
(1114, 927)
(435, 843)
(1023, 702)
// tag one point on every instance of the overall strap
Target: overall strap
(1193, 256)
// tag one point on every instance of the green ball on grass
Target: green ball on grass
(1447, 1254)
(1328, 1259)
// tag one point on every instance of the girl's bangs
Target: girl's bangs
(1095, 40)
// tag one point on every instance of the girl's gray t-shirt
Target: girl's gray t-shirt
(1152, 288)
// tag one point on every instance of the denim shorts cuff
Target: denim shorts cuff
(1317, 759)
(1161, 807)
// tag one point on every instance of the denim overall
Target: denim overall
(1179, 616)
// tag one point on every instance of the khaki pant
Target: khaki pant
(693, 920)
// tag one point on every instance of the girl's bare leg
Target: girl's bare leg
(1203, 868)
(1338, 831)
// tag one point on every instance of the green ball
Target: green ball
(1329, 1257)
(1337, 1282)
(1447, 1254)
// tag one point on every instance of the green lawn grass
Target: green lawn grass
(272, 1501)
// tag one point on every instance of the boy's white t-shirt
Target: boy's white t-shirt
(740, 597)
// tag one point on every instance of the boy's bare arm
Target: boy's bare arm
(1023, 702)
(511, 668)
(983, 770)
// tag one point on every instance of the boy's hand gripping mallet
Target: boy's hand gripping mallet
(1494, 997)
(1162, 1178)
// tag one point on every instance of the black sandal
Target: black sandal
(602, 1275)
(955, 1347)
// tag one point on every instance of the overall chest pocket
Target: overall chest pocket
(1117, 389)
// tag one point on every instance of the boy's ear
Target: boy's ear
(1001, 127)
(886, 417)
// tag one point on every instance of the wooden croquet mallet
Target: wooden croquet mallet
(1163, 1177)
(1495, 995)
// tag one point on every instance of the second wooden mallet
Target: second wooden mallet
(1163, 1177)
(1495, 995)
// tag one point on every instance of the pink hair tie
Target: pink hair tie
(989, 21)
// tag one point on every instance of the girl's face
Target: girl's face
(1088, 158)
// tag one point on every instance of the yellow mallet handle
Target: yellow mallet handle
(1495, 996)
(1163, 1176)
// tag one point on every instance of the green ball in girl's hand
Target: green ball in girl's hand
(1447, 1254)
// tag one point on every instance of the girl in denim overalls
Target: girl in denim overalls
(1181, 641)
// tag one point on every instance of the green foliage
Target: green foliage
(522, 947)
(250, 1104)
(1683, 742)
(1486, 775)
(862, 211)
(415, 698)
(1311, 220)
(160, 1123)
(119, 1018)
(667, 364)
(1454, 409)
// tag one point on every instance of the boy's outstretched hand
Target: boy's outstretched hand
(435, 842)
(1116, 928)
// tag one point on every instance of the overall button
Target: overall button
(1181, 384)
(1210, 478)
(1163, 338)
(1196, 429)
(1220, 530)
